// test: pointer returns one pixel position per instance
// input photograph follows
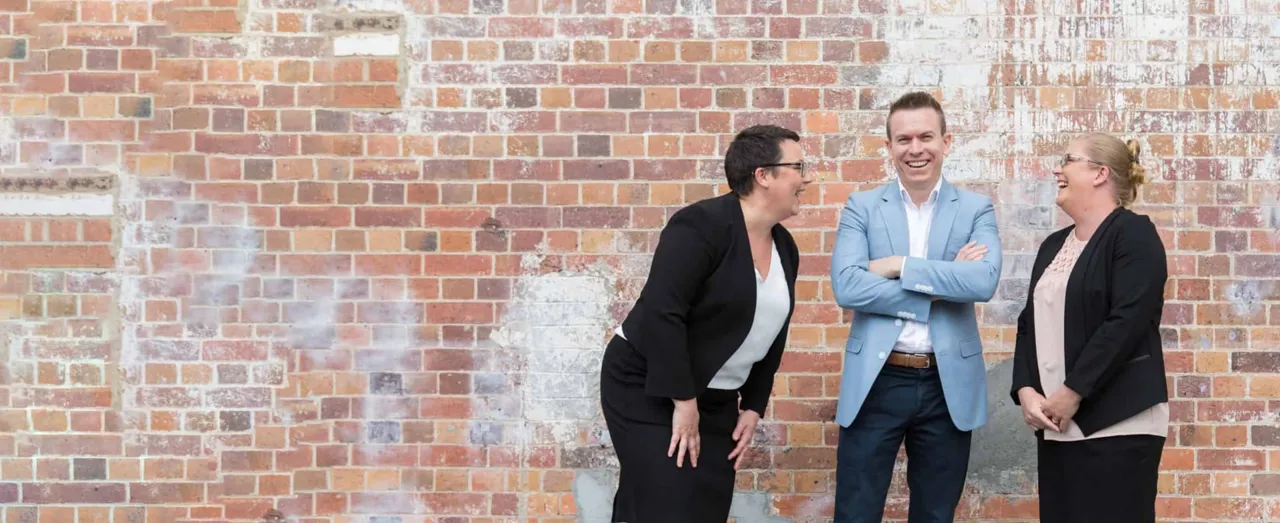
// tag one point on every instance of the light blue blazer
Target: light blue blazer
(873, 225)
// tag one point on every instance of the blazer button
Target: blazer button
(882, 355)
(897, 322)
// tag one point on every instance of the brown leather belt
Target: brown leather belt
(915, 361)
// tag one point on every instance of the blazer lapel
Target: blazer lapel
(944, 215)
(895, 219)
(788, 269)
(739, 252)
(1085, 262)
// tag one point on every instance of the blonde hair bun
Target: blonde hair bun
(1137, 174)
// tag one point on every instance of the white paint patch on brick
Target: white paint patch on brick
(1246, 296)
(1157, 27)
(508, 122)
(370, 5)
(57, 204)
(925, 58)
(8, 141)
(558, 323)
(367, 45)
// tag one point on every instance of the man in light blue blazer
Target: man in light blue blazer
(910, 259)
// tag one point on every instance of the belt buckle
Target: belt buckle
(927, 363)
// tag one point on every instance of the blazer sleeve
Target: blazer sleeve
(857, 288)
(759, 385)
(1137, 279)
(1024, 346)
(684, 256)
(961, 281)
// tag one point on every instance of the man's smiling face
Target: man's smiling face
(917, 146)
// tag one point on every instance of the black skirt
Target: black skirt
(651, 489)
(1100, 480)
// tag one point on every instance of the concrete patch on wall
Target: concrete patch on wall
(593, 495)
(756, 507)
(1003, 458)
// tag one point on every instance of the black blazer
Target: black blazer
(1115, 296)
(698, 304)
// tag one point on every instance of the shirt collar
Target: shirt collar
(933, 195)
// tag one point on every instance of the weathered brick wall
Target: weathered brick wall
(356, 260)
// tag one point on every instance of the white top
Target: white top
(773, 300)
(914, 337)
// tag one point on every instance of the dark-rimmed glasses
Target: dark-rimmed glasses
(799, 166)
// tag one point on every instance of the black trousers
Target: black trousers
(1103, 480)
(651, 489)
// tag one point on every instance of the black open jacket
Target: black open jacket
(1115, 296)
(698, 304)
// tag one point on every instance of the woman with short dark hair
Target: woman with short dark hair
(688, 374)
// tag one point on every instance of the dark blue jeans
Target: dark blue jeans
(904, 404)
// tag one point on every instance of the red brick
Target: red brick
(345, 96)
(386, 170)
(650, 74)
(205, 21)
(593, 74)
(98, 35)
(803, 74)
(226, 94)
(388, 217)
(215, 350)
(89, 493)
(19, 257)
(102, 83)
(313, 216)
(1217, 459)
(100, 131)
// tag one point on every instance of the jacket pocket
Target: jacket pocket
(971, 347)
(1138, 359)
(854, 344)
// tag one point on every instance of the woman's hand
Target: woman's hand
(684, 432)
(1033, 410)
(1061, 406)
(743, 434)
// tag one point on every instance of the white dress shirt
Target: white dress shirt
(914, 338)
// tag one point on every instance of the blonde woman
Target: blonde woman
(1088, 364)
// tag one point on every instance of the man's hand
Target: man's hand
(889, 267)
(745, 431)
(971, 252)
(1061, 406)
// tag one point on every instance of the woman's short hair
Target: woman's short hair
(752, 148)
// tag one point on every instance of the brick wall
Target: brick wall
(355, 261)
